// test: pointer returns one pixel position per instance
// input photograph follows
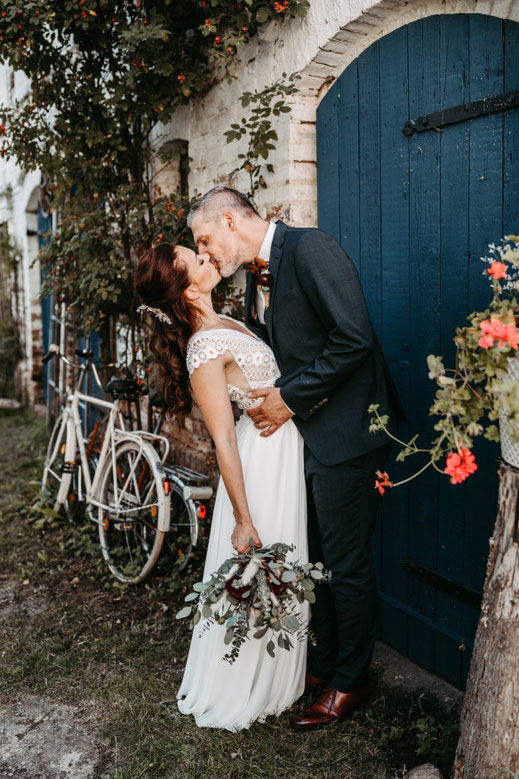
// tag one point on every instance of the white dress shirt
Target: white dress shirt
(264, 254)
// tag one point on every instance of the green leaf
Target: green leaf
(261, 632)
(436, 367)
(40, 523)
(229, 635)
(262, 14)
(183, 613)
(51, 513)
(292, 622)
(288, 576)
(191, 596)
(199, 586)
(206, 611)
(310, 596)
(271, 648)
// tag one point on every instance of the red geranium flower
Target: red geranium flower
(382, 481)
(494, 329)
(460, 465)
(497, 270)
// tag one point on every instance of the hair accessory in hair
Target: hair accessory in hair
(156, 312)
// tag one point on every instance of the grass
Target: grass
(118, 653)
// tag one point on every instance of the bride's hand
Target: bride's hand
(240, 538)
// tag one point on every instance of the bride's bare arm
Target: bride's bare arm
(209, 386)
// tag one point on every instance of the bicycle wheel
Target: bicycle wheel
(61, 449)
(132, 527)
(183, 532)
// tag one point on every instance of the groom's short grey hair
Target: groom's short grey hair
(219, 199)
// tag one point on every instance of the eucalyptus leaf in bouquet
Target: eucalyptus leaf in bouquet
(253, 593)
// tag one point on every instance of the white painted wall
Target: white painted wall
(18, 203)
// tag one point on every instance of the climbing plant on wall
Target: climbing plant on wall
(10, 349)
(103, 79)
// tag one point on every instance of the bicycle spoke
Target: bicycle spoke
(129, 533)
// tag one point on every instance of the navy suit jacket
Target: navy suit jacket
(332, 366)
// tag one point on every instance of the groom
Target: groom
(304, 298)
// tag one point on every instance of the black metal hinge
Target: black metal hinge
(441, 583)
(490, 105)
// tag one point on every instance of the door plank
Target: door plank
(394, 226)
(424, 309)
(485, 227)
(328, 164)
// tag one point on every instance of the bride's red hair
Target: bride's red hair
(160, 280)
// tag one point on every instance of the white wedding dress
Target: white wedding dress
(217, 693)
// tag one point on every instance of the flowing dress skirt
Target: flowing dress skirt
(232, 696)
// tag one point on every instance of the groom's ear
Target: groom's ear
(229, 220)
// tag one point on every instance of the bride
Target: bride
(261, 492)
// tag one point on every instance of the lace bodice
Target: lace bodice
(252, 356)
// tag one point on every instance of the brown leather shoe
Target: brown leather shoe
(332, 706)
(314, 684)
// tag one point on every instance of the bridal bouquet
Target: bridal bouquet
(255, 592)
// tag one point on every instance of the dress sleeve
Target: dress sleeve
(203, 348)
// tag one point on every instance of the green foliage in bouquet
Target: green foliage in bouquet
(257, 591)
(472, 395)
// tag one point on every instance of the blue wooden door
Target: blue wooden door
(416, 214)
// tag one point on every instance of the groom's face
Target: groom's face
(221, 240)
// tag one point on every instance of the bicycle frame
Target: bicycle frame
(113, 435)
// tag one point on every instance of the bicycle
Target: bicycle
(131, 488)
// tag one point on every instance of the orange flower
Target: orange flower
(497, 270)
(460, 465)
(382, 481)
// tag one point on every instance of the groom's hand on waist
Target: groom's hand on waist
(272, 413)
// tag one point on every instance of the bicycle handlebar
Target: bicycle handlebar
(54, 350)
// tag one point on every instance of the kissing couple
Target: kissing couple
(299, 465)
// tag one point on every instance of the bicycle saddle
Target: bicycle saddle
(118, 386)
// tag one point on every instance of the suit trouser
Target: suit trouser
(342, 511)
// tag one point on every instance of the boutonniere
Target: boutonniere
(265, 281)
